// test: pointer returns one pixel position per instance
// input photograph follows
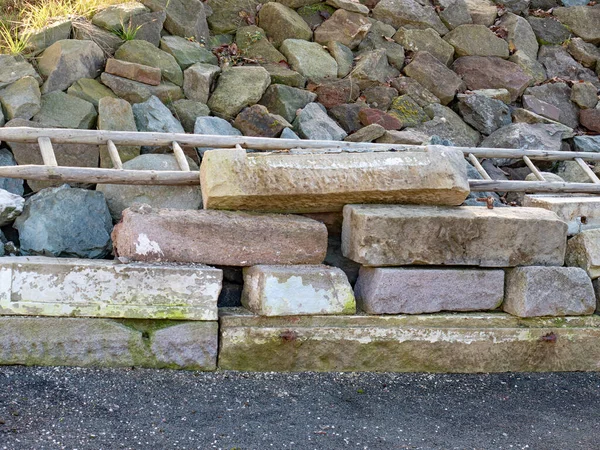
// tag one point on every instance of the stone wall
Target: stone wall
(347, 261)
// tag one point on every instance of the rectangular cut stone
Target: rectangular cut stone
(133, 71)
(59, 341)
(297, 291)
(221, 238)
(583, 251)
(94, 288)
(458, 342)
(303, 183)
(380, 235)
(581, 213)
(417, 291)
(548, 291)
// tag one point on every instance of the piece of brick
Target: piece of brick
(133, 71)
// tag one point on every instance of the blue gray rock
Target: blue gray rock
(153, 115)
(569, 3)
(483, 113)
(65, 222)
(314, 123)
(587, 143)
(214, 126)
(12, 185)
(288, 133)
(11, 206)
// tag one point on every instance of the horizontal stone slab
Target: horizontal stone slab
(417, 291)
(381, 235)
(67, 287)
(583, 251)
(548, 291)
(581, 213)
(459, 342)
(302, 183)
(218, 237)
(297, 290)
(59, 341)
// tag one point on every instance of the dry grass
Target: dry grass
(19, 17)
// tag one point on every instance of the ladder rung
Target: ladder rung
(114, 155)
(48, 156)
(533, 169)
(180, 157)
(479, 167)
(589, 172)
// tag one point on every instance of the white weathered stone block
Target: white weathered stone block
(417, 291)
(302, 183)
(381, 235)
(297, 290)
(548, 291)
(583, 251)
(581, 213)
(93, 288)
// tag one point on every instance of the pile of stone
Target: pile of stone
(476, 73)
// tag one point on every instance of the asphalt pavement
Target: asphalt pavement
(74, 408)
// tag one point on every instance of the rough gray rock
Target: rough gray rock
(237, 88)
(120, 197)
(142, 52)
(185, 18)
(187, 111)
(520, 34)
(66, 61)
(11, 206)
(13, 68)
(411, 13)
(76, 223)
(186, 52)
(483, 113)
(153, 115)
(60, 110)
(22, 99)
(12, 185)
(314, 123)
(587, 143)
(214, 126)
(286, 100)
(559, 95)
(198, 81)
(558, 63)
(309, 59)
(446, 124)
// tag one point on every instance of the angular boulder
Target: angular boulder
(76, 223)
(434, 76)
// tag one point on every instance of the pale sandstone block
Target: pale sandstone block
(548, 291)
(583, 251)
(95, 288)
(297, 291)
(59, 341)
(458, 342)
(417, 291)
(381, 235)
(218, 237)
(302, 183)
(581, 212)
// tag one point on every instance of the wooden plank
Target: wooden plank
(479, 167)
(534, 170)
(589, 172)
(47, 151)
(114, 155)
(100, 176)
(533, 187)
(180, 157)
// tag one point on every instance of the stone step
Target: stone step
(583, 251)
(297, 290)
(60, 341)
(548, 291)
(580, 212)
(43, 286)
(418, 291)
(381, 235)
(218, 237)
(459, 342)
(303, 183)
